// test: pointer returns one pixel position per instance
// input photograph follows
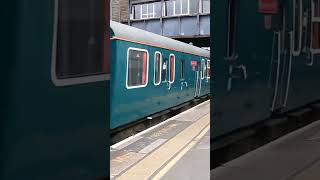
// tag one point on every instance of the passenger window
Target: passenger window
(157, 68)
(172, 69)
(297, 26)
(80, 39)
(208, 69)
(137, 68)
(203, 69)
(182, 69)
(232, 28)
(315, 27)
(164, 70)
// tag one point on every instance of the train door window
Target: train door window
(203, 69)
(157, 68)
(172, 68)
(164, 70)
(297, 26)
(182, 69)
(79, 42)
(137, 68)
(208, 69)
(232, 28)
(315, 27)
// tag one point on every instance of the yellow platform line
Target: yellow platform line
(153, 162)
(169, 165)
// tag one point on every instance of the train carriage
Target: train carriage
(267, 60)
(151, 73)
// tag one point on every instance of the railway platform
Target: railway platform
(178, 148)
(295, 156)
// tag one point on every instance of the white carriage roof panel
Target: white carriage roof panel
(130, 33)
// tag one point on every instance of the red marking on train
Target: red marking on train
(144, 68)
(268, 8)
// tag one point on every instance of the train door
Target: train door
(305, 49)
(242, 96)
(284, 49)
(198, 78)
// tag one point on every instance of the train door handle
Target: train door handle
(234, 75)
(233, 57)
(182, 84)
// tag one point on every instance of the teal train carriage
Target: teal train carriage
(55, 123)
(152, 73)
(266, 60)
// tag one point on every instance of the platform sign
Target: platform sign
(194, 65)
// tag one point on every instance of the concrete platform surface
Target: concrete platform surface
(178, 148)
(295, 156)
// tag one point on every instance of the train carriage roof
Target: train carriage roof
(129, 33)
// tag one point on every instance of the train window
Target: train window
(164, 70)
(203, 69)
(315, 27)
(172, 68)
(157, 68)
(208, 69)
(182, 69)
(137, 68)
(297, 27)
(79, 42)
(232, 29)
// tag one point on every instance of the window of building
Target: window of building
(79, 40)
(205, 6)
(157, 9)
(181, 7)
(136, 10)
(182, 69)
(157, 68)
(172, 68)
(137, 68)
(208, 69)
(194, 6)
(147, 11)
(168, 8)
(164, 70)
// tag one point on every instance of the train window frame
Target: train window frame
(160, 70)
(232, 29)
(127, 68)
(182, 70)
(297, 4)
(202, 66)
(208, 67)
(71, 80)
(315, 19)
(174, 68)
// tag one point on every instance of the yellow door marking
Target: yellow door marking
(163, 171)
(149, 165)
